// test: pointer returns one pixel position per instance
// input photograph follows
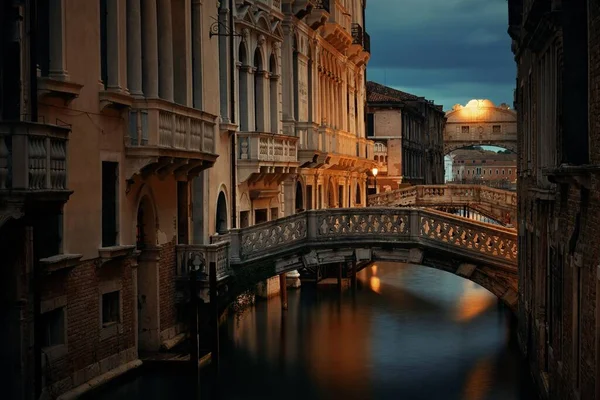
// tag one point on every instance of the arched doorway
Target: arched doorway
(221, 221)
(148, 321)
(299, 198)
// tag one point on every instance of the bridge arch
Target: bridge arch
(483, 253)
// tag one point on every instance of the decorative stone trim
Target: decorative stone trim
(115, 98)
(66, 90)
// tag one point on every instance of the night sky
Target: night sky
(449, 51)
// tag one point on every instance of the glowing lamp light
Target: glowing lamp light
(374, 170)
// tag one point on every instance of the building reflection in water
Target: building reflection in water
(408, 332)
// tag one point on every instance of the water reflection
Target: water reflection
(409, 332)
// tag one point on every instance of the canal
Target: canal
(409, 332)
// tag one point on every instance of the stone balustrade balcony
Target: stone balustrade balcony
(165, 137)
(336, 145)
(262, 153)
(338, 29)
(33, 162)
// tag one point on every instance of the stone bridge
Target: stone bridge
(484, 253)
(497, 204)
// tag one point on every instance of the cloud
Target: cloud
(442, 49)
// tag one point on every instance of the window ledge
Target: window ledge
(228, 127)
(110, 330)
(115, 252)
(117, 99)
(66, 90)
(56, 352)
(60, 262)
(578, 175)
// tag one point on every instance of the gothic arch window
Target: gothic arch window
(243, 88)
(259, 95)
(221, 220)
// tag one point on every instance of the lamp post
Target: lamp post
(374, 171)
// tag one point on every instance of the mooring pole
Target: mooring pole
(214, 317)
(339, 277)
(354, 271)
(283, 290)
(194, 350)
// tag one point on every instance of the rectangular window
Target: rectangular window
(497, 129)
(43, 36)
(464, 129)
(109, 203)
(260, 216)
(340, 196)
(111, 308)
(53, 327)
(370, 124)
(183, 209)
(320, 196)
(309, 197)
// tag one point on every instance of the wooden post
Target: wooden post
(339, 277)
(194, 351)
(283, 291)
(214, 314)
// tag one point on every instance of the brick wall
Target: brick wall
(86, 344)
(167, 266)
(554, 248)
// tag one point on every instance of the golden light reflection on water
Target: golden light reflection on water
(375, 284)
(473, 301)
(477, 384)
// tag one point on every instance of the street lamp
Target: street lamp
(374, 171)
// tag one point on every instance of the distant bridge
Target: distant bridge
(484, 253)
(497, 204)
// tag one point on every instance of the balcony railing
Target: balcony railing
(276, 4)
(200, 256)
(269, 147)
(328, 140)
(33, 157)
(158, 123)
(322, 5)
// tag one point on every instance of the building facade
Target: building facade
(162, 124)
(486, 167)
(408, 135)
(555, 46)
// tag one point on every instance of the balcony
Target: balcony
(167, 138)
(33, 162)
(319, 14)
(338, 29)
(261, 154)
(328, 148)
(359, 51)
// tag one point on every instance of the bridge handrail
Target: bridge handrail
(381, 225)
(451, 193)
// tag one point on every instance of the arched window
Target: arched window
(358, 199)
(259, 95)
(274, 80)
(299, 198)
(243, 88)
(221, 221)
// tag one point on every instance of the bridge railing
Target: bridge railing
(445, 194)
(373, 226)
(200, 256)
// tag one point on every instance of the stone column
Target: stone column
(165, 50)
(197, 56)
(289, 194)
(113, 36)
(287, 59)
(57, 43)
(150, 48)
(134, 47)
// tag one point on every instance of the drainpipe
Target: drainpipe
(233, 141)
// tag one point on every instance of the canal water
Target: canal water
(409, 332)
